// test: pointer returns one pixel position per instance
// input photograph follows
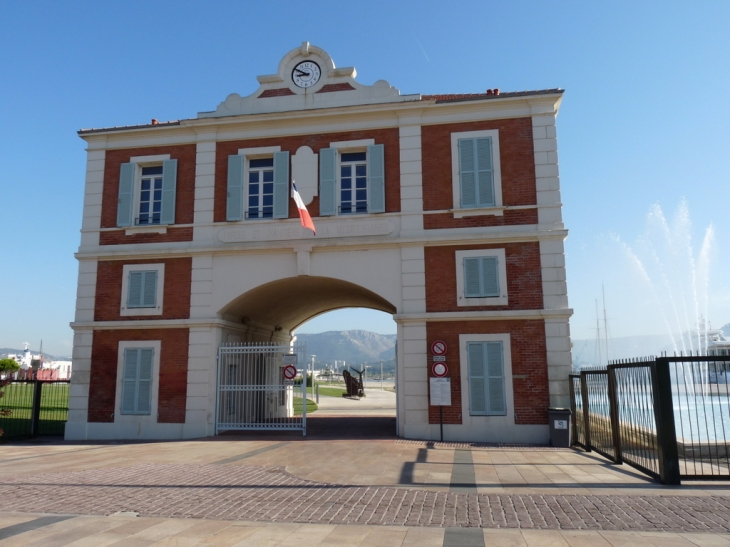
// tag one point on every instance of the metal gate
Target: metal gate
(253, 392)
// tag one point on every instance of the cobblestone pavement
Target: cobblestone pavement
(270, 494)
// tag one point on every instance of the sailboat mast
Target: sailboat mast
(605, 322)
(598, 334)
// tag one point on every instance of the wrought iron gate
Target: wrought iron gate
(252, 392)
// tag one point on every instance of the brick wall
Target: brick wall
(517, 166)
(387, 137)
(173, 379)
(176, 297)
(184, 200)
(529, 366)
(524, 277)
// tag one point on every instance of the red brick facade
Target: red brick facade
(173, 378)
(529, 366)
(524, 277)
(184, 198)
(517, 162)
(388, 137)
(176, 297)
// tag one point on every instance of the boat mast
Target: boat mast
(598, 334)
(605, 322)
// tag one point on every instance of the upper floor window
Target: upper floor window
(352, 178)
(142, 289)
(481, 277)
(147, 188)
(258, 184)
(476, 172)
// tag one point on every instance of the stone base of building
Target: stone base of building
(95, 431)
(516, 434)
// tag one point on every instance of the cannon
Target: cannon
(352, 384)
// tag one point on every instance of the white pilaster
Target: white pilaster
(411, 183)
(545, 145)
(204, 179)
(201, 287)
(93, 189)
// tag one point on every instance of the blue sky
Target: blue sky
(644, 120)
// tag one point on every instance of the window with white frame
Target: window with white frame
(476, 173)
(258, 184)
(485, 364)
(142, 289)
(137, 387)
(147, 189)
(481, 277)
(352, 178)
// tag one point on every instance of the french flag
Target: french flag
(303, 213)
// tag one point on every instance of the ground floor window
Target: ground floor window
(485, 363)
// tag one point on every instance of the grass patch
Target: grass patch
(331, 391)
(311, 406)
(18, 398)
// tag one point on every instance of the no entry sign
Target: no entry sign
(438, 347)
(290, 372)
(440, 369)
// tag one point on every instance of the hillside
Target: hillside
(352, 346)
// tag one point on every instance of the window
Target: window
(147, 187)
(260, 188)
(481, 277)
(476, 173)
(352, 178)
(353, 183)
(258, 184)
(137, 387)
(142, 289)
(485, 365)
(137, 381)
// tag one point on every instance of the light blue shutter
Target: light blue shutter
(169, 189)
(495, 373)
(467, 178)
(477, 379)
(376, 178)
(485, 174)
(234, 203)
(134, 290)
(472, 279)
(327, 182)
(490, 276)
(149, 298)
(129, 380)
(144, 383)
(126, 195)
(281, 185)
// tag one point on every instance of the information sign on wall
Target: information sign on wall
(440, 392)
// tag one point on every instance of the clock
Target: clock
(306, 74)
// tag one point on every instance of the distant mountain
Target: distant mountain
(726, 329)
(4, 352)
(352, 346)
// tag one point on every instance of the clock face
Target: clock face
(306, 74)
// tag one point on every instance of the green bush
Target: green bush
(8, 365)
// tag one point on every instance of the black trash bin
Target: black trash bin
(559, 419)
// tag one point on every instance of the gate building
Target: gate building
(442, 210)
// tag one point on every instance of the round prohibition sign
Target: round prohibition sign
(440, 369)
(290, 371)
(438, 347)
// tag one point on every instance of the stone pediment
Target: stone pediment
(306, 79)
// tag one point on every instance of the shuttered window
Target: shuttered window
(142, 289)
(137, 381)
(486, 379)
(147, 194)
(352, 182)
(476, 172)
(481, 277)
(264, 193)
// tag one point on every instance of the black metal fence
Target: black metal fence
(36, 408)
(668, 417)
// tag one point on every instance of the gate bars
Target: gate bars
(252, 393)
(669, 417)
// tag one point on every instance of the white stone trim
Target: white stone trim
(497, 210)
(204, 183)
(159, 294)
(86, 291)
(461, 299)
(345, 145)
(483, 315)
(262, 151)
(138, 419)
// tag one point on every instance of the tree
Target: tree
(6, 365)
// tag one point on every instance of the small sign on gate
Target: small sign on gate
(289, 359)
(290, 372)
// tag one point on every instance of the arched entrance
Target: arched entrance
(256, 389)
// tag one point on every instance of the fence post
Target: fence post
(613, 411)
(34, 427)
(573, 410)
(664, 416)
(586, 410)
